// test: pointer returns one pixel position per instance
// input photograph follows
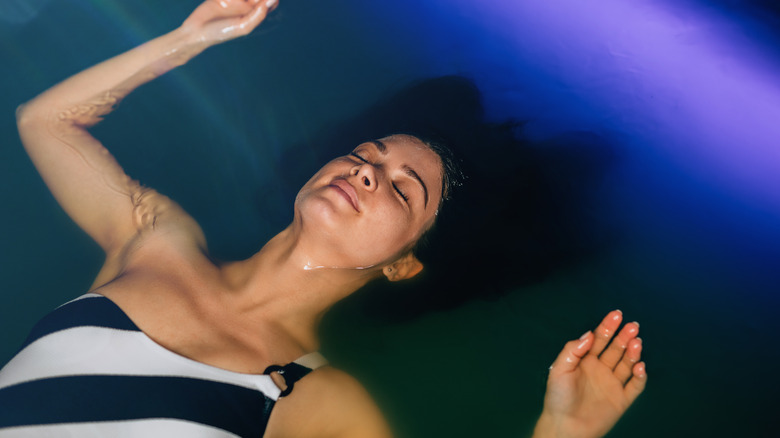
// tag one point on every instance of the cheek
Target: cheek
(379, 236)
(318, 179)
(339, 166)
(390, 230)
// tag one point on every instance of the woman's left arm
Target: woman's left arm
(593, 382)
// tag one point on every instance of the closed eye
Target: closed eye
(355, 154)
(406, 198)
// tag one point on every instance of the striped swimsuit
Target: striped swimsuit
(86, 370)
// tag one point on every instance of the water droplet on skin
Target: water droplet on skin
(309, 267)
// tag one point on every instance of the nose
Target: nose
(366, 177)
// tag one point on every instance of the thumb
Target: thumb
(246, 23)
(572, 353)
(258, 14)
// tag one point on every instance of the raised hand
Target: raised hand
(593, 381)
(215, 21)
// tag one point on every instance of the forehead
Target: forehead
(410, 148)
(412, 152)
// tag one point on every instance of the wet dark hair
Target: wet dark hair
(523, 211)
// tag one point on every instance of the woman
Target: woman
(170, 343)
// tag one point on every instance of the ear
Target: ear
(406, 267)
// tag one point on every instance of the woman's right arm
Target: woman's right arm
(81, 174)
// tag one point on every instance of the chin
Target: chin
(316, 212)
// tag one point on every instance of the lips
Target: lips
(346, 190)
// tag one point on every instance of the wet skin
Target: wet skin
(370, 207)
(364, 209)
(593, 381)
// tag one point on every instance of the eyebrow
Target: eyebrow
(381, 146)
(408, 170)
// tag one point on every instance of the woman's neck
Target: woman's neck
(278, 286)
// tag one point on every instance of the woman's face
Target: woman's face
(369, 208)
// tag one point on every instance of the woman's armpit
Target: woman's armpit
(148, 206)
(152, 211)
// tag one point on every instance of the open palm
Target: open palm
(593, 381)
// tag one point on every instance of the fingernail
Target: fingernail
(637, 324)
(585, 335)
(270, 3)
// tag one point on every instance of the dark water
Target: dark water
(551, 234)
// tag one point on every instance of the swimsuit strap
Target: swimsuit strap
(295, 371)
(312, 360)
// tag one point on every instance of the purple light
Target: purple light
(691, 87)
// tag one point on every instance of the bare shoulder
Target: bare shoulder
(328, 403)
(153, 211)
(155, 219)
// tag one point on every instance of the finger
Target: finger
(612, 355)
(605, 331)
(624, 368)
(258, 14)
(231, 8)
(572, 353)
(246, 23)
(636, 385)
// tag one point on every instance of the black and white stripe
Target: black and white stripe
(87, 370)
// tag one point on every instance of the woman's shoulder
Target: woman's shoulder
(159, 217)
(328, 402)
(161, 226)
